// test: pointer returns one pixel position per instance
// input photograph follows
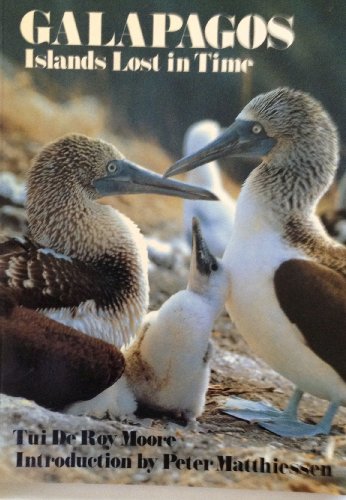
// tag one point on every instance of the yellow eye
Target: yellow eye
(257, 128)
(112, 167)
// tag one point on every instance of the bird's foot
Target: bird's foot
(251, 411)
(282, 423)
(291, 427)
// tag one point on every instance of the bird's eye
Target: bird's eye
(257, 128)
(112, 168)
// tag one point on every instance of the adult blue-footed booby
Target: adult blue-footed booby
(84, 264)
(287, 276)
(216, 219)
(168, 364)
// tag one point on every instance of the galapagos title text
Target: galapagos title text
(159, 42)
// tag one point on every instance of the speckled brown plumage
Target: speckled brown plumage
(84, 264)
(319, 247)
(41, 281)
(301, 165)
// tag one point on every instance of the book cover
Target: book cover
(98, 100)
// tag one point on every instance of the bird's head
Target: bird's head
(95, 168)
(207, 275)
(270, 126)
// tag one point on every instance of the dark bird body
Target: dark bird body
(51, 363)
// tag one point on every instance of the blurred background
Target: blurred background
(165, 104)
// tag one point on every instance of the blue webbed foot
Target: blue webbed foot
(282, 423)
(287, 427)
(251, 411)
(292, 428)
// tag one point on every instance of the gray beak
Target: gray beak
(237, 140)
(202, 259)
(125, 177)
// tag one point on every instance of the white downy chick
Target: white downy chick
(168, 365)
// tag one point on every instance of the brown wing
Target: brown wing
(41, 280)
(314, 298)
(50, 363)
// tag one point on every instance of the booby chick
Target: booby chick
(168, 364)
(84, 264)
(288, 277)
(217, 219)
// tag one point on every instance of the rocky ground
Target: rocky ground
(235, 370)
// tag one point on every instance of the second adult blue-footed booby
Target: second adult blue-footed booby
(84, 264)
(216, 219)
(287, 276)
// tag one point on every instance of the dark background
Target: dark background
(163, 105)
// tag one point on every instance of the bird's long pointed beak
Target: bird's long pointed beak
(237, 140)
(202, 258)
(222, 146)
(127, 178)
